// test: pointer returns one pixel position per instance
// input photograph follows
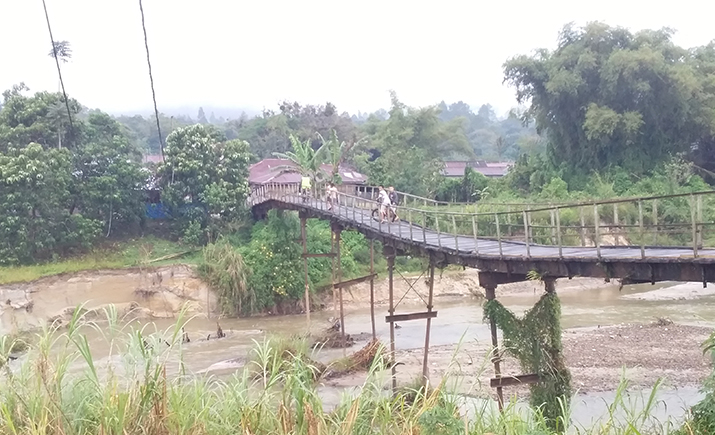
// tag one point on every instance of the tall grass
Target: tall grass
(141, 387)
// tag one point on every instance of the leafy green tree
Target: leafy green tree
(37, 118)
(408, 149)
(34, 220)
(470, 188)
(607, 96)
(108, 173)
(204, 170)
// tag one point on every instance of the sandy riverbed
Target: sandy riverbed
(597, 356)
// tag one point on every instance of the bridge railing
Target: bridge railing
(681, 220)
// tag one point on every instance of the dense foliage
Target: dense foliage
(61, 186)
(203, 176)
(609, 97)
(703, 414)
(276, 266)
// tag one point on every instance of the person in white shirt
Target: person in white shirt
(384, 200)
(332, 196)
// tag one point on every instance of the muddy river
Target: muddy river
(154, 298)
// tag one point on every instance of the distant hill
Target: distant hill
(192, 111)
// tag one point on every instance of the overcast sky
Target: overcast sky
(241, 53)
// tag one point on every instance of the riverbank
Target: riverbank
(146, 294)
(112, 255)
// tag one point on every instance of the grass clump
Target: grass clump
(224, 270)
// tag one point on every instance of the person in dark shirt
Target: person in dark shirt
(394, 200)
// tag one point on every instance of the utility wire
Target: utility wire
(151, 81)
(59, 71)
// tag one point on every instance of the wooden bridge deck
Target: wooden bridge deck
(646, 264)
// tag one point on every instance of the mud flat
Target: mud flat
(597, 358)
(677, 292)
(136, 293)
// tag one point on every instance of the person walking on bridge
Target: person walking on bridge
(394, 200)
(383, 199)
(305, 188)
(332, 195)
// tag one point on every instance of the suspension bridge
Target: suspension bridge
(634, 240)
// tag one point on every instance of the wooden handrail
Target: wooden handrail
(460, 229)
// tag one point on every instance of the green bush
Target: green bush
(703, 414)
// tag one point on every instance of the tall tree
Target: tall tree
(107, 173)
(37, 118)
(201, 117)
(202, 167)
(607, 96)
(408, 149)
(34, 194)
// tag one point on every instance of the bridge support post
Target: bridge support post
(337, 230)
(490, 287)
(549, 284)
(372, 288)
(303, 220)
(425, 368)
(390, 256)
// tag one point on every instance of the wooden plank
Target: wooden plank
(508, 381)
(318, 255)
(410, 316)
(354, 281)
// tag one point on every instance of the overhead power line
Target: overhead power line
(59, 71)
(151, 81)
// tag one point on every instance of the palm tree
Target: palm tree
(305, 160)
(57, 115)
(337, 153)
(62, 50)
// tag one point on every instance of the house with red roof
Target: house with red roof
(273, 171)
(490, 170)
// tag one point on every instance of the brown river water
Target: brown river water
(152, 299)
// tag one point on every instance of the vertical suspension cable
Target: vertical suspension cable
(59, 71)
(151, 81)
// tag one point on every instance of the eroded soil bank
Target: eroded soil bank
(147, 294)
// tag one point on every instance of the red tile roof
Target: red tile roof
(456, 169)
(269, 171)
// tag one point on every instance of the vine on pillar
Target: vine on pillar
(535, 340)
